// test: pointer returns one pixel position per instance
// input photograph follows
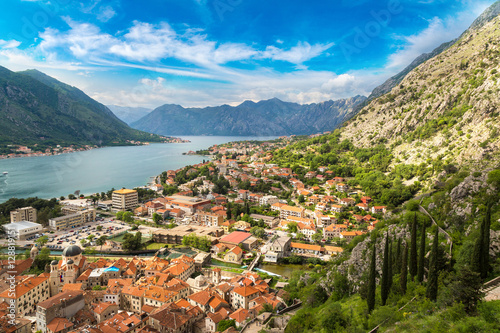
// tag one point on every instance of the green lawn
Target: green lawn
(156, 246)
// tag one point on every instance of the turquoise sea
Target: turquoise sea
(99, 170)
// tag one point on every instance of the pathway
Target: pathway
(441, 230)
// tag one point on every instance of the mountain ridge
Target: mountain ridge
(263, 118)
(38, 109)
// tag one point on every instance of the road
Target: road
(441, 230)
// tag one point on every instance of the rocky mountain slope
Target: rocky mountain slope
(488, 15)
(38, 109)
(128, 114)
(270, 117)
(446, 108)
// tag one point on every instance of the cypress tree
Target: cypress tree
(421, 256)
(486, 242)
(384, 285)
(432, 281)
(404, 269)
(413, 248)
(370, 299)
(390, 270)
(228, 212)
(477, 263)
(397, 257)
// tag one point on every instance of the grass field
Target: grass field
(156, 246)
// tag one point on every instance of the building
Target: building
(125, 199)
(241, 296)
(237, 238)
(63, 305)
(23, 214)
(278, 248)
(72, 220)
(66, 270)
(209, 219)
(379, 209)
(300, 248)
(234, 255)
(175, 235)
(291, 211)
(23, 229)
(189, 205)
(28, 292)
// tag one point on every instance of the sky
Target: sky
(199, 53)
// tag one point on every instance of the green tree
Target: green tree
(99, 228)
(404, 270)
(317, 237)
(432, 282)
(119, 215)
(42, 240)
(258, 232)
(486, 242)
(413, 248)
(156, 218)
(225, 324)
(128, 217)
(101, 241)
(301, 199)
(370, 299)
(384, 285)
(421, 256)
(228, 211)
(292, 227)
(466, 289)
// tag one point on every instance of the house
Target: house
(366, 200)
(349, 235)
(104, 310)
(241, 315)
(362, 206)
(379, 209)
(347, 201)
(243, 194)
(278, 248)
(333, 250)
(234, 255)
(291, 211)
(63, 305)
(341, 187)
(241, 296)
(337, 208)
(300, 248)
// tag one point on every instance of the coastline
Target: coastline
(68, 150)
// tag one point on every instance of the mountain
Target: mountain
(38, 109)
(488, 15)
(128, 114)
(264, 118)
(446, 108)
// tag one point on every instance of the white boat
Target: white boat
(5, 172)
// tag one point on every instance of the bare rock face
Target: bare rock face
(494, 243)
(359, 261)
(470, 185)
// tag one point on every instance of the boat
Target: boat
(5, 172)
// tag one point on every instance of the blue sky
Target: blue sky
(211, 52)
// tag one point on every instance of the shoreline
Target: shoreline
(70, 150)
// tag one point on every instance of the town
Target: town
(207, 227)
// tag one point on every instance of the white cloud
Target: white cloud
(297, 54)
(106, 13)
(437, 32)
(9, 44)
